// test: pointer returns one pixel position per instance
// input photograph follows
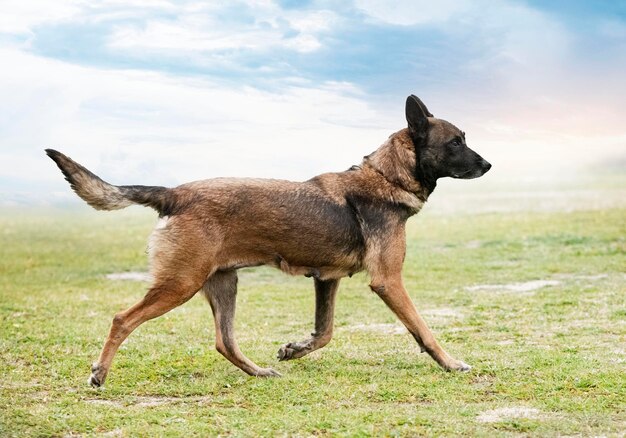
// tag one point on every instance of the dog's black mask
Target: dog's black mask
(440, 147)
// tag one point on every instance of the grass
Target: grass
(560, 349)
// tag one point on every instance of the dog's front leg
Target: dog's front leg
(392, 292)
(325, 293)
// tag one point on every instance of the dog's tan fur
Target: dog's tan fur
(329, 227)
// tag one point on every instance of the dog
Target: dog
(327, 228)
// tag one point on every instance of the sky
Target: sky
(162, 92)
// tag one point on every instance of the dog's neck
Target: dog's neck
(395, 160)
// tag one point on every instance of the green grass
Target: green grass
(560, 349)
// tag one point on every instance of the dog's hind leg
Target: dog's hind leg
(325, 293)
(180, 266)
(221, 292)
(160, 299)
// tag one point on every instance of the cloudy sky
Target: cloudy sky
(163, 92)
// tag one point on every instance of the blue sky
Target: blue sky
(162, 92)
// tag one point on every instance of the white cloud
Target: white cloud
(507, 29)
(311, 21)
(138, 127)
(194, 28)
(182, 37)
(197, 29)
(19, 17)
(411, 12)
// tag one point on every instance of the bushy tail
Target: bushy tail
(104, 196)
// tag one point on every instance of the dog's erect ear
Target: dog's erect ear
(417, 116)
(421, 105)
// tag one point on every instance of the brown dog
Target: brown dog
(327, 228)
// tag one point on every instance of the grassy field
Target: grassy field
(536, 302)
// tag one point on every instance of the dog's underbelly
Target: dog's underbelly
(346, 267)
(295, 260)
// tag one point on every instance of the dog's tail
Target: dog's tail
(104, 196)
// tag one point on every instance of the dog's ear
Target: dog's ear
(417, 117)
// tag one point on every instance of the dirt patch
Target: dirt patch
(443, 312)
(483, 382)
(581, 277)
(389, 329)
(528, 286)
(115, 432)
(510, 413)
(505, 342)
(98, 401)
(619, 356)
(442, 316)
(129, 276)
(150, 401)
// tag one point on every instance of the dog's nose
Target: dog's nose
(486, 166)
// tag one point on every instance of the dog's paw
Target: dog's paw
(285, 352)
(267, 372)
(465, 367)
(459, 365)
(94, 382)
(293, 350)
(98, 374)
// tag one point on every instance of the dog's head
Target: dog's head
(440, 147)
